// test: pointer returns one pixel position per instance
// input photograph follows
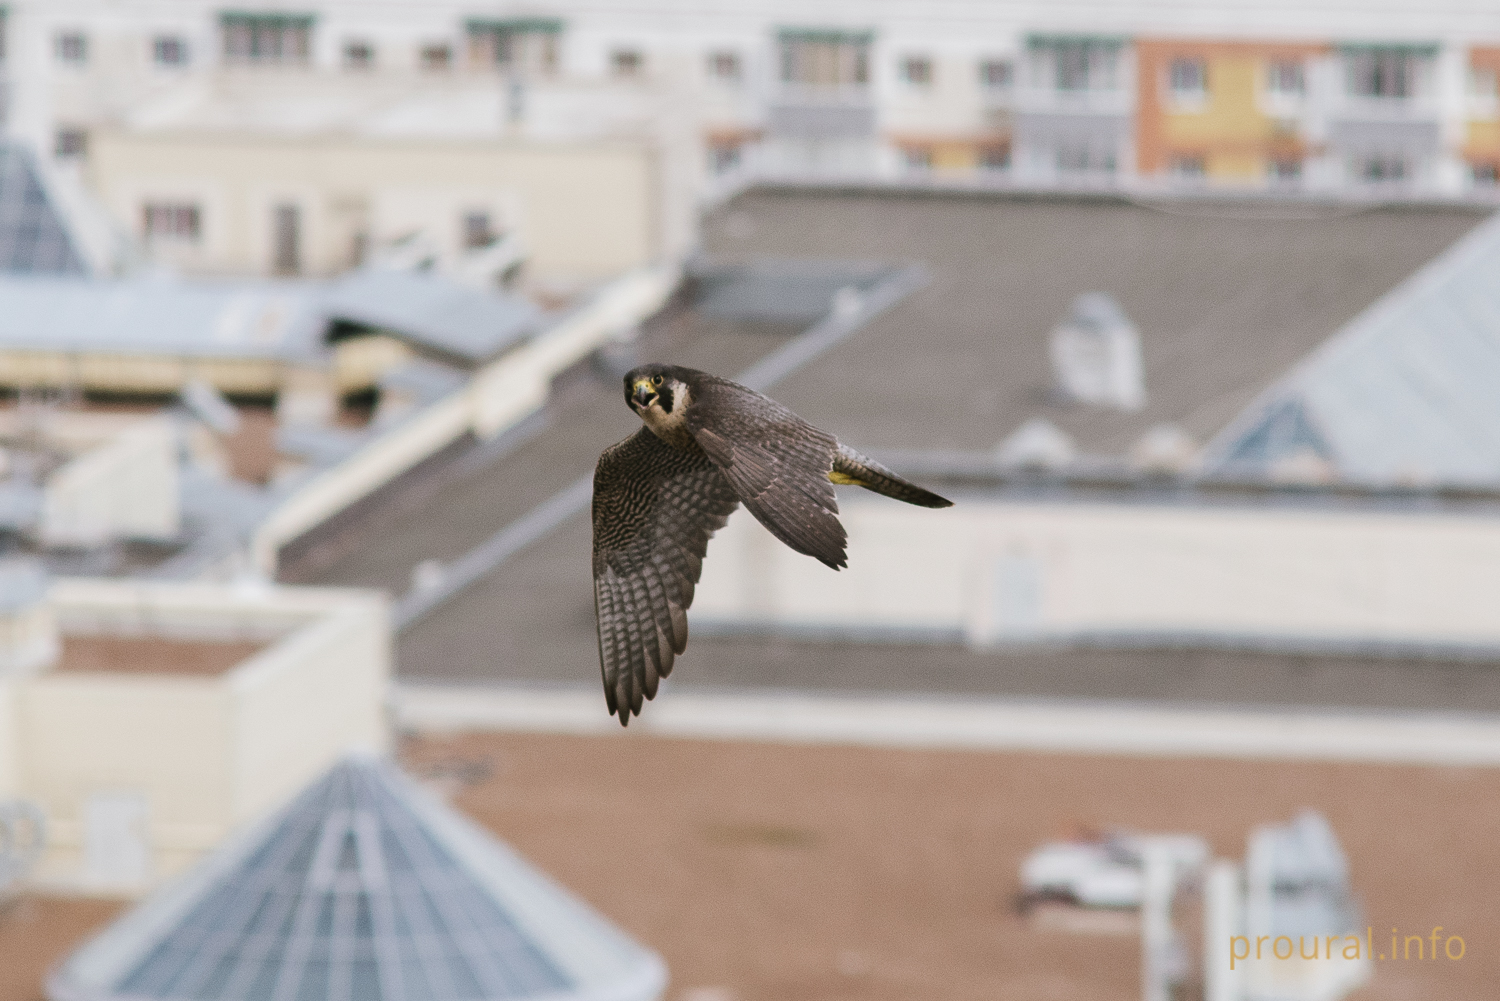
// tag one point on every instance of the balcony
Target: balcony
(821, 113)
(1112, 102)
(1409, 126)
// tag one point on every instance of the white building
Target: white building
(1332, 95)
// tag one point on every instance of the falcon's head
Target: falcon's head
(658, 393)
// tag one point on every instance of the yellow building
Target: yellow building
(1232, 112)
(1482, 141)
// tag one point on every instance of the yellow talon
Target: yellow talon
(834, 476)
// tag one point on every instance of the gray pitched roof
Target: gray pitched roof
(253, 319)
(432, 313)
(159, 316)
(364, 888)
(33, 235)
(1406, 392)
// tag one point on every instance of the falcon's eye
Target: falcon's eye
(656, 380)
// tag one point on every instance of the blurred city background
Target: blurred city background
(312, 323)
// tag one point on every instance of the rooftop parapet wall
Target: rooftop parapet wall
(998, 572)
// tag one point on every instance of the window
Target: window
(1188, 166)
(996, 74)
(917, 70)
(73, 47)
(169, 50)
(825, 59)
(1188, 78)
(267, 38)
(359, 55)
(70, 143)
(436, 58)
(286, 239)
(1079, 158)
(1383, 73)
(477, 230)
(1081, 64)
(523, 45)
(995, 157)
(626, 62)
(1072, 159)
(1285, 170)
(1383, 169)
(723, 157)
(725, 66)
(172, 221)
(1285, 76)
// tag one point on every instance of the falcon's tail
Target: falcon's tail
(851, 467)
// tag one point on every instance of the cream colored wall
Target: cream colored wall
(206, 753)
(125, 374)
(165, 738)
(586, 210)
(306, 702)
(10, 778)
(994, 572)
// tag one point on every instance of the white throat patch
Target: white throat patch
(670, 427)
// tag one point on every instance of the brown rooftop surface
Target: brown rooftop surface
(151, 655)
(807, 872)
(36, 932)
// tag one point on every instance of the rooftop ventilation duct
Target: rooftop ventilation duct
(1096, 355)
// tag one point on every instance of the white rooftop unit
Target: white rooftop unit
(364, 888)
(1096, 355)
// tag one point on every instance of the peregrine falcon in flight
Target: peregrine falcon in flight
(707, 446)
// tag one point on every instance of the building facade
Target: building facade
(1328, 98)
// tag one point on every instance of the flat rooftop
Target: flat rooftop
(818, 872)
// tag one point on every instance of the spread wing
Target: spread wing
(654, 509)
(777, 463)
